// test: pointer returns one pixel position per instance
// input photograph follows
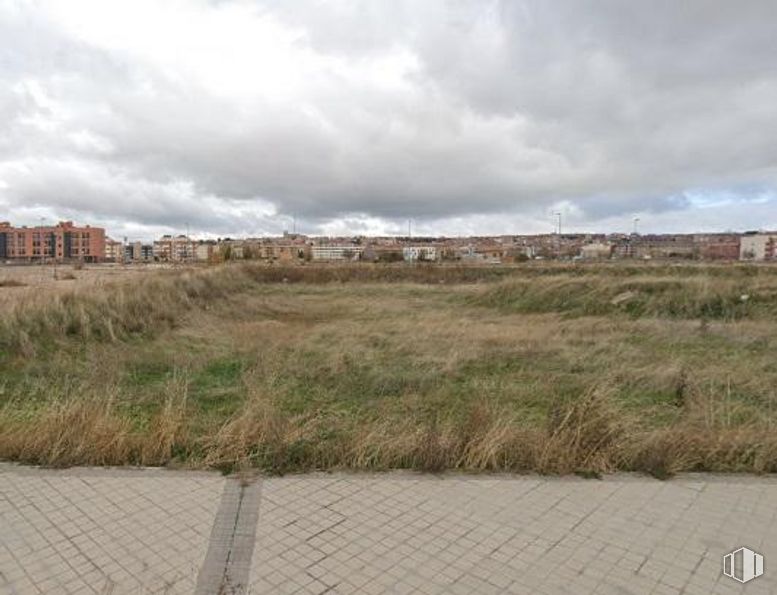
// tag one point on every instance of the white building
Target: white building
(336, 253)
(204, 251)
(424, 253)
(757, 246)
(595, 251)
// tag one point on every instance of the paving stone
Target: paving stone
(147, 531)
(132, 521)
(407, 533)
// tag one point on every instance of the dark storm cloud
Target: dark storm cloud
(234, 115)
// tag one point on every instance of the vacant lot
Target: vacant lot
(553, 369)
(19, 283)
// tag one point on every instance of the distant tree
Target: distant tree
(393, 256)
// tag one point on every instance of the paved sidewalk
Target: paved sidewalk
(104, 531)
(156, 531)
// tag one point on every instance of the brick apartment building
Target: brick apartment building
(61, 242)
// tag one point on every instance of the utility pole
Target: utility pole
(409, 228)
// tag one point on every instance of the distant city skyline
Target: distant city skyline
(68, 241)
(399, 233)
(471, 118)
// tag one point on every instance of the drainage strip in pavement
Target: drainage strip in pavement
(227, 564)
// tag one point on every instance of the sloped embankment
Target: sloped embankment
(691, 297)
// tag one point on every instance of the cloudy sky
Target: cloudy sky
(466, 116)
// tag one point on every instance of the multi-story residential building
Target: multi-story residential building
(758, 246)
(289, 249)
(336, 253)
(229, 249)
(204, 250)
(596, 251)
(174, 248)
(60, 242)
(138, 252)
(663, 246)
(718, 246)
(720, 251)
(420, 253)
(284, 252)
(114, 250)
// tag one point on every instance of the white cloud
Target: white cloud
(467, 117)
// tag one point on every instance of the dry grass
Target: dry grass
(21, 283)
(233, 368)
(693, 297)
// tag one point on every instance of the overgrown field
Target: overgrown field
(553, 369)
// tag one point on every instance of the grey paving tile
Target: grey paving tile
(100, 531)
(418, 534)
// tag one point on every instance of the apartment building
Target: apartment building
(204, 250)
(596, 251)
(114, 250)
(138, 252)
(64, 241)
(719, 247)
(336, 253)
(758, 246)
(420, 253)
(285, 252)
(174, 249)
(664, 246)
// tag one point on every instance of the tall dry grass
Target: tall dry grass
(81, 426)
(159, 301)
(113, 312)
(590, 434)
(401, 353)
(688, 297)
